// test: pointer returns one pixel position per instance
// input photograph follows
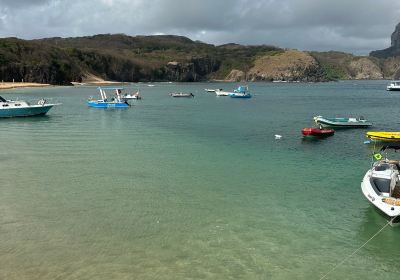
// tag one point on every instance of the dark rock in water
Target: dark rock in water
(394, 49)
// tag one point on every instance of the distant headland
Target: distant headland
(118, 57)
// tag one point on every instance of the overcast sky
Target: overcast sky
(356, 26)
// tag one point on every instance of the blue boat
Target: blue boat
(115, 102)
(20, 108)
(240, 92)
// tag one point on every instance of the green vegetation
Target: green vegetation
(143, 58)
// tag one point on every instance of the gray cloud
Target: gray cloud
(357, 26)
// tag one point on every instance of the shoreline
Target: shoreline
(11, 85)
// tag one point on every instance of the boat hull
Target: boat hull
(95, 104)
(393, 88)
(384, 136)
(35, 110)
(308, 131)
(187, 95)
(240, 96)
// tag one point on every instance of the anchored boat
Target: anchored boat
(133, 96)
(393, 86)
(240, 92)
(342, 122)
(117, 101)
(221, 92)
(181, 94)
(310, 131)
(20, 108)
(384, 136)
(381, 184)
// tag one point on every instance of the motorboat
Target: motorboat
(181, 94)
(116, 101)
(384, 136)
(20, 108)
(381, 184)
(342, 122)
(131, 96)
(209, 90)
(221, 92)
(316, 132)
(240, 92)
(393, 86)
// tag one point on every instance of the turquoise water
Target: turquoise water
(193, 188)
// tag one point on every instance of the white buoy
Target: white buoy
(277, 136)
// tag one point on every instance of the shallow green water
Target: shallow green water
(193, 188)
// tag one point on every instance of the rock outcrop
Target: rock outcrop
(394, 49)
(291, 65)
(236, 76)
(364, 69)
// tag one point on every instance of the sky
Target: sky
(355, 26)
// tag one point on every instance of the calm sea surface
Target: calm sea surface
(193, 188)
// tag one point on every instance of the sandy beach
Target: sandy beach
(8, 85)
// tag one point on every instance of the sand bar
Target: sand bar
(7, 85)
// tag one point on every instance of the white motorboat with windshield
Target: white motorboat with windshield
(381, 184)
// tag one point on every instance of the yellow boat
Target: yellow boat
(392, 136)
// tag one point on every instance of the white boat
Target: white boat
(220, 92)
(181, 94)
(20, 108)
(381, 185)
(393, 86)
(131, 96)
(209, 90)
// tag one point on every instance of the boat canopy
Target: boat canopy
(2, 99)
(110, 88)
(241, 89)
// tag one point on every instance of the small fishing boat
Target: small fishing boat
(384, 136)
(131, 96)
(209, 90)
(393, 86)
(342, 122)
(221, 92)
(181, 94)
(240, 92)
(115, 102)
(310, 131)
(20, 108)
(381, 184)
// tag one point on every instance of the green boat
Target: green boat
(342, 122)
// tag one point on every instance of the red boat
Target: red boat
(309, 131)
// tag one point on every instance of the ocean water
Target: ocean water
(176, 188)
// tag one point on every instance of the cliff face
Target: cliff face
(291, 65)
(394, 49)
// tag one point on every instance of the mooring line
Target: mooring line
(358, 249)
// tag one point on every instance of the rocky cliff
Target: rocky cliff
(394, 49)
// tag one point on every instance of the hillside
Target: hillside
(175, 58)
